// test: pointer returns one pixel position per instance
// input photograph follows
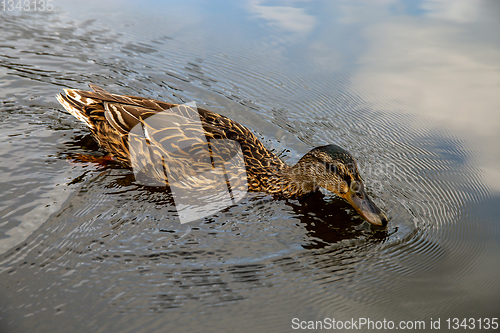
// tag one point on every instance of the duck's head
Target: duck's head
(334, 168)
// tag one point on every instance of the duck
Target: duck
(120, 124)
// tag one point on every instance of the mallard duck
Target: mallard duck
(112, 119)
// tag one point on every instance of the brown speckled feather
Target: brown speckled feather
(174, 145)
(111, 117)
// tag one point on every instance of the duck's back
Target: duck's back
(111, 118)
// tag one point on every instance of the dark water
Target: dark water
(411, 89)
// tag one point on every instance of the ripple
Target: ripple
(120, 246)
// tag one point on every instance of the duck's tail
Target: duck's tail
(80, 106)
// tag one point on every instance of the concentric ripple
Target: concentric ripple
(86, 244)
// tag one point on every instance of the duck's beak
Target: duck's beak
(365, 206)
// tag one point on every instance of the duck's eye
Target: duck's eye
(332, 168)
(357, 189)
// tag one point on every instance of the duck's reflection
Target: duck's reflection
(330, 221)
(327, 220)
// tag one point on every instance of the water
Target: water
(409, 88)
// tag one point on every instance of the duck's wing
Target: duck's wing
(111, 118)
(122, 111)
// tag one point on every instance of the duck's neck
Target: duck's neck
(292, 182)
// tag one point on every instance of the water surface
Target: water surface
(409, 88)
